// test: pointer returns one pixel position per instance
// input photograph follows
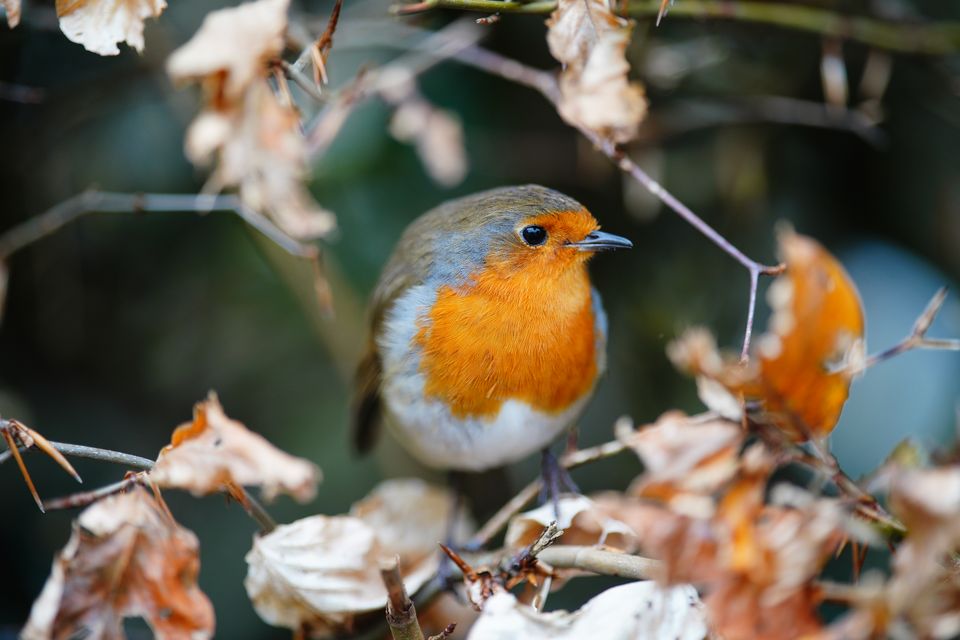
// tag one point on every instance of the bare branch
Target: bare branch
(93, 201)
(401, 614)
(932, 38)
(918, 336)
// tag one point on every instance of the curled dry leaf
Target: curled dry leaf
(253, 140)
(126, 558)
(322, 571)
(99, 25)
(212, 451)
(635, 610)
(807, 358)
(591, 42)
(583, 523)
(12, 9)
(685, 462)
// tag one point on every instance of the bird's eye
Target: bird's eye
(534, 235)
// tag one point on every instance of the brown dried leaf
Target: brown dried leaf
(230, 51)
(205, 455)
(12, 9)
(126, 558)
(99, 25)
(253, 141)
(685, 461)
(805, 361)
(591, 42)
(635, 610)
(322, 571)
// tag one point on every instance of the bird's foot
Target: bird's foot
(556, 480)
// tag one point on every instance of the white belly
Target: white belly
(427, 428)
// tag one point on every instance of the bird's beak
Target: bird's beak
(602, 241)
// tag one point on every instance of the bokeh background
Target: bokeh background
(115, 325)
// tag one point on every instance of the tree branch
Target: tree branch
(93, 201)
(600, 562)
(927, 38)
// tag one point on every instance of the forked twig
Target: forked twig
(918, 335)
(400, 611)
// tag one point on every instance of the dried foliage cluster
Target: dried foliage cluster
(709, 538)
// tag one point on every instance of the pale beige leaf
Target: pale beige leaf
(583, 523)
(213, 450)
(12, 9)
(627, 612)
(236, 42)
(256, 145)
(321, 571)
(437, 135)
(99, 25)
(591, 42)
(126, 558)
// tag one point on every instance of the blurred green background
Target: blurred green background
(115, 325)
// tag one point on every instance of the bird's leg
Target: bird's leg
(556, 479)
(446, 571)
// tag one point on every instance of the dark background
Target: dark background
(115, 325)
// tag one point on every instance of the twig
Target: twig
(302, 81)
(921, 38)
(599, 561)
(400, 612)
(93, 453)
(14, 430)
(86, 498)
(93, 201)
(250, 504)
(918, 336)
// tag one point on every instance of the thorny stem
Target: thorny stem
(253, 507)
(920, 38)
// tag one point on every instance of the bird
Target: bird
(486, 337)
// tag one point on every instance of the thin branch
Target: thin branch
(253, 507)
(94, 453)
(927, 38)
(600, 562)
(400, 612)
(918, 336)
(93, 201)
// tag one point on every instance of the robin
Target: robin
(486, 337)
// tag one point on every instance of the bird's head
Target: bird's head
(529, 230)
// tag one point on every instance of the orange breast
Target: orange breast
(527, 336)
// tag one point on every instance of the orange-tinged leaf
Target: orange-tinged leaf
(210, 452)
(815, 339)
(799, 376)
(126, 558)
